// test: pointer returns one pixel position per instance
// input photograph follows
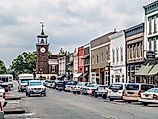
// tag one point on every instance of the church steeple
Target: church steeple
(42, 38)
(42, 25)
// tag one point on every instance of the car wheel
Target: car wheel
(44, 94)
(74, 92)
(79, 92)
(111, 99)
(95, 96)
(104, 96)
(145, 104)
(129, 101)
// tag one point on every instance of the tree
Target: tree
(3, 69)
(24, 63)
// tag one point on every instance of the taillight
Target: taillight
(155, 97)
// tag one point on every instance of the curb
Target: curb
(12, 98)
(14, 111)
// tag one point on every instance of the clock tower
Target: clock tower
(42, 51)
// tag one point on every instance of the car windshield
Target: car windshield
(116, 86)
(25, 80)
(153, 90)
(81, 84)
(35, 83)
(132, 87)
(146, 87)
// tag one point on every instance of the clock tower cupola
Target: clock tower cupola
(42, 51)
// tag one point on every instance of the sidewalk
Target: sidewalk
(14, 103)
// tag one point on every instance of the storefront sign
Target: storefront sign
(150, 55)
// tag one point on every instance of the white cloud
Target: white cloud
(69, 23)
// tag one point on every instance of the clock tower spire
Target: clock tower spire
(42, 51)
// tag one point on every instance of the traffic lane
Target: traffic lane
(116, 109)
(70, 105)
(56, 108)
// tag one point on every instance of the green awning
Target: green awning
(154, 70)
(144, 70)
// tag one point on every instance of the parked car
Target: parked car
(149, 97)
(101, 91)
(35, 87)
(60, 85)
(70, 85)
(6, 87)
(133, 91)
(89, 89)
(49, 83)
(2, 92)
(78, 88)
(2, 102)
(115, 91)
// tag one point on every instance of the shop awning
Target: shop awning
(144, 70)
(77, 75)
(154, 70)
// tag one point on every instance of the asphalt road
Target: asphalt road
(62, 105)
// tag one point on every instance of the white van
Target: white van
(116, 91)
(23, 81)
(6, 81)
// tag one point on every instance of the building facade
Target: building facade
(80, 63)
(62, 65)
(100, 56)
(69, 66)
(134, 51)
(151, 28)
(86, 58)
(118, 57)
(75, 65)
(53, 66)
(149, 70)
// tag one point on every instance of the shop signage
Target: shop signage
(150, 55)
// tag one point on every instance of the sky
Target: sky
(68, 23)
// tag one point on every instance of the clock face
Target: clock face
(42, 49)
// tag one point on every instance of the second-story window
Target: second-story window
(150, 26)
(150, 45)
(117, 55)
(113, 55)
(155, 29)
(121, 53)
(130, 48)
(155, 44)
(101, 57)
(97, 59)
(141, 49)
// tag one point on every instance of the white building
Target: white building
(62, 65)
(75, 64)
(118, 57)
(151, 28)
